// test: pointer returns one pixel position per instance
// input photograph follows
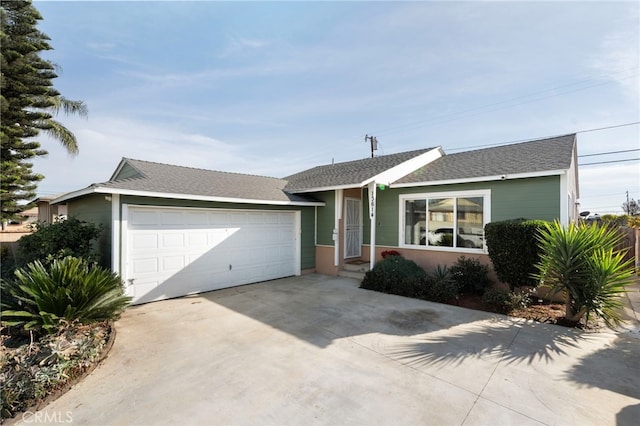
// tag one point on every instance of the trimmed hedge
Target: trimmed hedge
(395, 275)
(513, 249)
(403, 277)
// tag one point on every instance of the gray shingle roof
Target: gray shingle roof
(527, 157)
(165, 178)
(347, 173)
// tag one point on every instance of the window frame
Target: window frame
(486, 217)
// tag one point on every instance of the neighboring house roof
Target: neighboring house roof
(360, 172)
(544, 156)
(136, 177)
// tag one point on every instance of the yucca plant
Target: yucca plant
(70, 289)
(582, 261)
(610, 274)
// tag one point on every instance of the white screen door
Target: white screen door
(353, 228)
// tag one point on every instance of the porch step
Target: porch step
(354, 269)
(356, 266)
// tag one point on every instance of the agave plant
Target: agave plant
(69, 290)
(582, 261)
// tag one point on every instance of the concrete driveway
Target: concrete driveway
(319, 350)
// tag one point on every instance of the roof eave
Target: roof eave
(481, 179)
(390, 175)
(407, 167)
(105, 190)
(324, 188)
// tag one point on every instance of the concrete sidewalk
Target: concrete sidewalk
(319, 350)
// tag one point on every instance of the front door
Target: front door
(353, 228)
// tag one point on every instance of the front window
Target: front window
(453, 220)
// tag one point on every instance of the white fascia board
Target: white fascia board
(403, 169)
(73, 194)
(481, 179)
(326, 188)
(573, 169)
(102, 190)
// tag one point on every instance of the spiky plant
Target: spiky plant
(70, 289)
(582, 261)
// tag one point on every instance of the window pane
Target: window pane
(415, 222)
(441, 222)
(470, 222)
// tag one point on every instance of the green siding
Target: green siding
(533, 198)
(326, 217)
(386, 217)
(127, 172)
(537, 198)
(307, 243)
(95, 209)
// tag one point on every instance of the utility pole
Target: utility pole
(374, 143)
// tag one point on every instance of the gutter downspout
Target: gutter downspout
(115, 233)
(372, 217)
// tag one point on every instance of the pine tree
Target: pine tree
(28, 103)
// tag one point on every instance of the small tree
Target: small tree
(28, 105)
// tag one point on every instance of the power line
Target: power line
(608, 127)
(609, 162)
(609, 152)
(505, 104)
(547, 137)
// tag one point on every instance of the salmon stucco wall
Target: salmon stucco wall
(324, 261)
(429, 260)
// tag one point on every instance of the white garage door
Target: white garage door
(172, 252)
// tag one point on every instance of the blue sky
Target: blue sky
(273, 88)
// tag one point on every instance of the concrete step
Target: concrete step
(357, 266)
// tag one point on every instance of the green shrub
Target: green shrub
(395, 275)
(70, 290)
(582, 261)
(471, 275)
(70, 237)
(440, 286)
(503, 302)
(7, 262)
(513, 249)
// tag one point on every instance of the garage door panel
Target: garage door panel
(142, 218)
(144, 241)
(172, 218)
(197, 239)
(197, 218)
(237, 219)
(172, 240)
(172, 263)
(145, 266)
(173, 252)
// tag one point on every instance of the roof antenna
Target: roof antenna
(374, 143)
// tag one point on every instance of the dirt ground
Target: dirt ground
(546, 312)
